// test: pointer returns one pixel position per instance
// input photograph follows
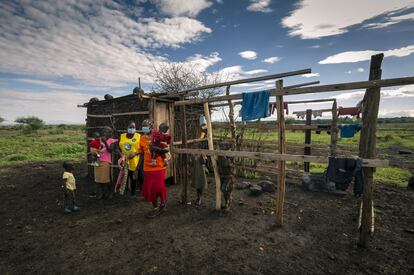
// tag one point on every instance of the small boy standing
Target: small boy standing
(69, 187)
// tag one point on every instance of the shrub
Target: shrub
(32, 123)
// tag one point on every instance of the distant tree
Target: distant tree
(32, 123)
(174, 77)
(1, 119)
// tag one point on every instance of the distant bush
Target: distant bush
(1, 119)
(290, 120)
(55, 132)
(32, 123)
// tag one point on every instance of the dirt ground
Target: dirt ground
(319, 235)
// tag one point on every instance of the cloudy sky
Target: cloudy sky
(55, 54)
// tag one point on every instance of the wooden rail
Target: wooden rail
(273, 156)
(313, 89)
(240, 81)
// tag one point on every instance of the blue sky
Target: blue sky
(57, 54)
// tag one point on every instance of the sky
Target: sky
(55, 54)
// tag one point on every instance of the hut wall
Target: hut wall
(119, 123)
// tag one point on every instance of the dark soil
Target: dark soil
(319, 235)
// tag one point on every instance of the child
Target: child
(95, 145)
(159, 144)
(69, 187)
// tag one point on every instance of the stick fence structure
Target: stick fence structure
(367, 145)
(181, 110)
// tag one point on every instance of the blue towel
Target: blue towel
(349, 131)
(255, 105)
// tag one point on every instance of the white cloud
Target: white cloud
(392, 20)
(392, 113)
(250, 55)
(357, 56)
(319, 18)
(406, 91)
(259, 6)
(50, 106)
(310, 75)
(237, 72)
(253, 72)
(360, 70)
(348, 72)
(201, 62)
(181, 7)
(272, 59)
(315, 46)
(90, 41)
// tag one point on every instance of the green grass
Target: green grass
(68, 142)
(393, 175)
(387, 138)
(46, 145)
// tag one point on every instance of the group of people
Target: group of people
(144, 158)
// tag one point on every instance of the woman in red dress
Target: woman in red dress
(154, 174)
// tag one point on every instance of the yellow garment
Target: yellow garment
(128, 146)
(70, 181)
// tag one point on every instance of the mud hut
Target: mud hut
(138, 106)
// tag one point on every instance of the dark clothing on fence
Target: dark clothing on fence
(255, 105)
(342, 171)
(198, 173)
(227, 177)
(337, 177)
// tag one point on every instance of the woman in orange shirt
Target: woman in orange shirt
(153, 187)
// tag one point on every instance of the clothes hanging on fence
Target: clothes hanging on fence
(301, 114)
(349, 130)
(322, 127)
(337, 177)
(317, 113)
(285, 107)
(198, 172)
(349, 111)
(227, 172)
(342, 171)
(255, 105)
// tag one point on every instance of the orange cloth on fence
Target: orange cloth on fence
(145, 141)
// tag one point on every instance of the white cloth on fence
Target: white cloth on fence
(301, 114)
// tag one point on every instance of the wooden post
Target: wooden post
(282, 150)
(334, 128)
(367, 147)
(184, 188)
(308, 133)
(213, 158)
(231, 121)
(172, 125)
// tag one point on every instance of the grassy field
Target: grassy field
(56, 143)
(50, 144)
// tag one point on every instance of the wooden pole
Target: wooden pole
(184, 188)
(213, 158)
(367, 147)
(282, 150)
(308, 133)
(334, 128)
(231, 121)
(171, 115)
